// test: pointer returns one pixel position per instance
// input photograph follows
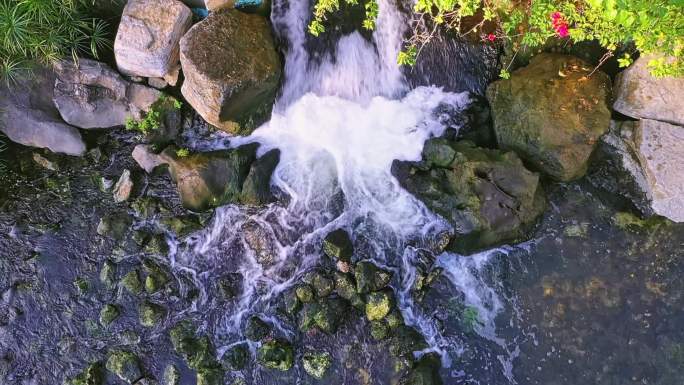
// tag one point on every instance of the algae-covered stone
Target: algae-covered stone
(151, 313)
(209, 376)
(172, 375)
(338, 245)
(378, 305)
(316, 364)
(425, 372)
(321, 284)
(379, 330)
(324, 315)
(108, 274)
(114, 225)
(406, 340)
(305, 293)
(394, 319)
(92, 375)
(182, 225)
(157, 245)
(125, 365)
(230, 285)
(131, 282)
(438, 153)
(370, 277)
(256, 329)
(236, 357)
(198, 352)
(108, 314)
(157, 276)
(81, 285)
(276, 354)
(292, 303)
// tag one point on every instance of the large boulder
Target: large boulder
(642, 161)
(29, 117)
(552, 113)
(232, 69)
(90, 94)
(488, 196)
(211, 179)
(147, 40)
(640, 95)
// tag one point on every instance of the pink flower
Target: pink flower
(562, 31)
(491, 37)
(560, 25)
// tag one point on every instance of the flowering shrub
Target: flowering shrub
(653, 26)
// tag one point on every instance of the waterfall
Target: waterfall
(339, 122)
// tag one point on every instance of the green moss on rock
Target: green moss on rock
(276, 354)
(125, 365)
(316, 364)
(108, 314)
(151, 313)
(378, 305)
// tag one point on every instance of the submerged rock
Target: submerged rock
(108, 274)
(642, 161)
(425, 372)
(131, 282)
(30, 118)
(552, 113)
(236, 357)
(642, 96)
(276, 354)
(151, 314)
(209, 376)
(198, 352)
(147, 40)
(256, 189)
(108, 314)
(125, 365)
(488, 196)
(316, 364)
(89, 95)
(256, 329)
(232, 69)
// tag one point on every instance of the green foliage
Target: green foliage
(651, 26)
(153, 117)
(324, 7)
(44, 31)
(182, 152)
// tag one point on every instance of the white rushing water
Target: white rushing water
(339, 123)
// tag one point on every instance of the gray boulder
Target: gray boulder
(146, 158)
(232, 70)
(89, 94)
(147, 39)
(29, 117)
(552, 113)
(642, 161)
(640, 95)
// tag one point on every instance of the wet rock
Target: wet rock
(322, 285)
(261, 241)
(394, 319)
(379, 330)
(182, 225)
(232, 100)
(256, 329)
(236, 357)
(147, 40)
(256, 190)
(379, 304)
(209, 376)
(90, 95)
(125, 365)
(425, 372)
(146, 381)
(146, 207)
(316, 364)
(151, 314)
(128, 337)
(338, 246)
(157, 245)
(171, 376)
(346, 288)
(198, 352)
(326, 315)
(438, 153)
(131, 282)
(108, 314)
(230, 285)
(30, 117)
(291, 302)
(305, 293)
(552, 113)
(108, 274)
(369, 277)
(146, 158)
(157, 277)
(114, 225)
(81, 286)
(641, 161)
(276, 354)
(406, 340)
(210, 179)
(94, 374)
(123, 187)
(640, 95)
(215, 5)
(488, 196)
(44, 162)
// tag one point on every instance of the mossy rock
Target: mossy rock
(256, 329)
(369, 277)
(209, 376)
(114, 225)
(326, 315)
(379, 330)
(182, 225)
(276, 354)
(94, 374)
(81, 286)
(151, 314)
(197, 351)
(322, 285)
(305, 293)
(108, 314)
(291, 302)
(108, 274)
(236, 357)
(316, 364)
(338, 245)
(379, 304)
(131, 282)
(125, 365)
